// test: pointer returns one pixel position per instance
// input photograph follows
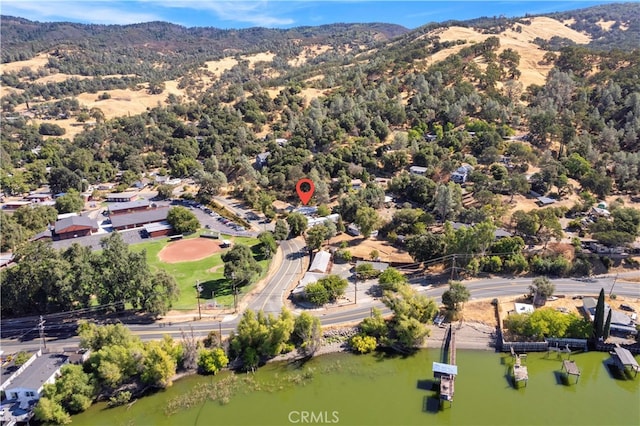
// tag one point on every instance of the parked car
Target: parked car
(628, 308)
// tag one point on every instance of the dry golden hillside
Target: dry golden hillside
(521, 42)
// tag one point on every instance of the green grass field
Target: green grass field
(187, 274)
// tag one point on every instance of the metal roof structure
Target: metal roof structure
(38, 372)
(128, 205)
(320, 262)
(74, 221)
(448, 369)
(157, 226)
(140, 218)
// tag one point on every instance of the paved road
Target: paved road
(270, 299)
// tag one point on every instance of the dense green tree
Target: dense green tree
(62, 179)
(455, 296)
(210, 361)
(391, 279)
(281, 230)
(49, 411)
(315, 236)
(240, 265)
(35, 219)
(374, 325)
(598, 319)
(316, 293)
(268, 244)
(426, 247)
(165, 192)
(183, 220)
(70, 202)
(158, 367)
(13, 234)
(542, 287)
(73, 390)
(297, 223)
(367, 220)
(307, 334)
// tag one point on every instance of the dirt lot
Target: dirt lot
(483, 312)
(362, 248)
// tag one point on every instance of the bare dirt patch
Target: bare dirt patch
(189, 250)
(38, 61)
(362, 248)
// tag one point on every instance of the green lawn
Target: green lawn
(188, 273)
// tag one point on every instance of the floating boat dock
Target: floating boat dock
(447, 372)
(520, 372)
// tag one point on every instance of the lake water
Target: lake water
(346, 389)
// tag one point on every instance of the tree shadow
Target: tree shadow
(217, 287)
(295, 255)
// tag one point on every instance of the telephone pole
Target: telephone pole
(199, 289)
(41, 328)
(453, 266)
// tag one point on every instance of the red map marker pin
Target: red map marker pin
(305, 188)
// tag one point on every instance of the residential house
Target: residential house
(354, 230)
(418, 170)
(621, 323)
(321, 262)
(308, 278)
(282, 207)
(39, 197)
(73, 227)
(356, 184)
(24, 384)
(15, 205)
(314, 221)
(461, 174)
(261, 159)
(545, 201)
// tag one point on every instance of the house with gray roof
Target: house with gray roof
(621, 323)
(25, 384)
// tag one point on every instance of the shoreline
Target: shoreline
(469, 336)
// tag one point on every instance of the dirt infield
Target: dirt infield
(189, 250)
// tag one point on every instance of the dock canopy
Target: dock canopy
(624, 358)
(444, 369)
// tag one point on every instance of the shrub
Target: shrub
(363, 344)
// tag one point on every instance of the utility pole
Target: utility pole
(453, 266)
(355, 298)
(41, 328)
(613, 285)
(199, 289)
(220, 330)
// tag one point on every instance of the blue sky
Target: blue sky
(276, 13)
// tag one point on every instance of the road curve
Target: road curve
(271, 299)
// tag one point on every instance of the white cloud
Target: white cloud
(259, 13)
(84, 11)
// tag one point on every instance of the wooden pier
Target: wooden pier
(520, 372)
(448, 371)
(571, 368)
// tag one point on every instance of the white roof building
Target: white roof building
(320, 262)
